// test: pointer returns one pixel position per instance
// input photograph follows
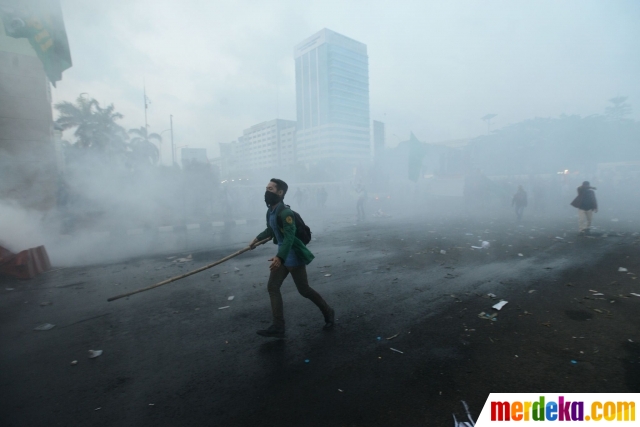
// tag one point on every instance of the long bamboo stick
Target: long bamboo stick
(173, 279)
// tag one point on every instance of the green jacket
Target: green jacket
(289, 232)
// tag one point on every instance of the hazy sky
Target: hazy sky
(435, 67)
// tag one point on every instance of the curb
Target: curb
(205, 226)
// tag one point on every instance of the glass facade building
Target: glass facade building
(332, 98)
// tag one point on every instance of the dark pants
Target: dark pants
(519, 212)
(299, 275)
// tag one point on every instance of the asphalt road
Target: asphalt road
(174, 357)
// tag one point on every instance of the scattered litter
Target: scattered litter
(635, 295)
(520, 255)
(340, 391)
(94, 353)
(622, 269)
(379, 338)
(152, 404)
(44, 327)
(443, 252)
(222, 308)
(306, 360)
(598, 294)
(559, 238)
(74, 362)
(630, 340)
(532, 291)
(187, 259)
(327, 275)
(230, 298)
(457, 423)
(397, 351)
(45, 303)
(393, 336)
(476, 247)
(236, 269)
(485, 244)
(493, 316)
(9, 289)
(97, 409)
(492, 295)
(574, 362)
(499, 305)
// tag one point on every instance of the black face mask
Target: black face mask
(271, 199)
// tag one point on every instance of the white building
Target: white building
(267, 145)
(332, 99)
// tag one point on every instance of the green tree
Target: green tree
(141, 146)
(619, 109)
(96, 127)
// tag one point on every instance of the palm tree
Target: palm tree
(96, 127)
(142, 147)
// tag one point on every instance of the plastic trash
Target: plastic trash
(443, 252)
(306, 360)
(485, 244)
(327, 275)
(622, 269)
(397, 351)
(457, 423)
(520, 255)
(492, 295)
(476, 247)
(493, 316)
(44, 327)
(94, 353)
(9, 289)
(222, 308)
(230, 298)
(635, 295)
(574, 362)
(499, 305)
(74, 362)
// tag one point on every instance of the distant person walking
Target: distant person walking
(587, 205)
(362, 198)
(292, 257)
(520, 202)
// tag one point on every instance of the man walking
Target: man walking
(587, 204)
(520, 202)
(292, 257)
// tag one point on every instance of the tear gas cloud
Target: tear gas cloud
(476, 98)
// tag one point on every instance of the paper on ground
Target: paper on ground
(501, 304)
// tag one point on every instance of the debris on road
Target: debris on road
(94, 353)
(635, 295)
(520, 255)
(393, 336)
(9, 289)
(493, 316)
(74, 362)
(622, 269)
(230, 298)
(222, 308)
(397, 351)
(44, 327)
(485, 244)
(499, 305)
(306, 360)
(327, 275)
(490, 295)
(443, 252)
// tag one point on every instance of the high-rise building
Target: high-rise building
(332, 99)
(378, 138)
(267, 145)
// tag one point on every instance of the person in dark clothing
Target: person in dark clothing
(587, 205)
(292, 257)
(520, 202)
